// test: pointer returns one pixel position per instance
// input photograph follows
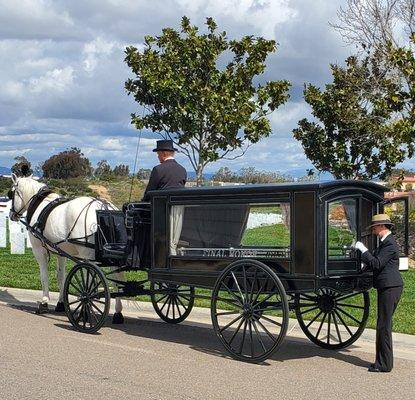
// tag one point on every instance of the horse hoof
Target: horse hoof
(60, 307)
(118, 318)
(42, 308)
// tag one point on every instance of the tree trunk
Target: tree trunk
(199, 174)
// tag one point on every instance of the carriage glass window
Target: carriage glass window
(230, 230)
(341, 228)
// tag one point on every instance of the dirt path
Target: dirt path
(101, 191)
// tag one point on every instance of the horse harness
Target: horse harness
(38, 228)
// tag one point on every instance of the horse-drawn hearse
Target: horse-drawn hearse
(257, 252)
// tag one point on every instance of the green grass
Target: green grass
(276, 235)
(22, 271)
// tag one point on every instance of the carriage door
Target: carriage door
(398, 211)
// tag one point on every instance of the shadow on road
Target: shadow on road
(203, 339)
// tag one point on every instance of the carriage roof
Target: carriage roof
(320, 186)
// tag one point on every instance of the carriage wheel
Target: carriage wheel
(249, 310)
(171, 302)
(327, 317)
(86, 297)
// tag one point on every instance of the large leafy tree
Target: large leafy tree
(20, 162)
(356, 134)
(208, 110)
(70, 163)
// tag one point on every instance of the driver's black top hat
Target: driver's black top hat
(164, 145)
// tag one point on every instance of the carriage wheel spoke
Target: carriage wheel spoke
(161, 298)
(321, 325)
(308, 297)
(344, 324)
(328, 328)
(237, 285)
(75, 287)
(245, 285)
(337, 327)
(259, 336)
(236, 331)
(92, 281)
(73, 302)
(226, 313)
(164, 305)
(184, 297)
(347, 296)
(76, 309)
(168, 307)
(251, 338)
(267, 331)
(183, 305)
(350, 305)
(238, 299)
(269, 320)
(251, 295)
(229, 302)
(243, 338)
(263, 300)
(310, 322)
(78, 282)
(230, 323)
(258, 293)
(348, 315)
(97, 308)
(308, 310)
(178, 307)
(93, 314)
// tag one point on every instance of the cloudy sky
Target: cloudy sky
(62, 72)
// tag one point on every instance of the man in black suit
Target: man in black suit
(169, 174)
(388, 281)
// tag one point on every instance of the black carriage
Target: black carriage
(257, 252)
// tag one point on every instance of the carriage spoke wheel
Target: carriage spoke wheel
(249, 310)
(331, 319)
(171, 302)
(86, 297)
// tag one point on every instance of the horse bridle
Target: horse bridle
(11, 194)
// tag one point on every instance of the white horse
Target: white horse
(73, 219)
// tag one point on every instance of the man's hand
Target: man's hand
(361, 247)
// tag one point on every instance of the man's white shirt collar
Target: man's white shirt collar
(385, 236)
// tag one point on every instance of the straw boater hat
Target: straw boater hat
(380, 219)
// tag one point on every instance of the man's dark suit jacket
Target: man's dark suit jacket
(385, 264)
(168, 174)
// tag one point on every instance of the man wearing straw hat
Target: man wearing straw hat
(384, 262)
(169, 174)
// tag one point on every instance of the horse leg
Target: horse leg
(60, 275)
(118, 318)
(41, 256)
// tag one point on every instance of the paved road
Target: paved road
(43, 358)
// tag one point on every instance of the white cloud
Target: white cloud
(94, 50)
(55, 80)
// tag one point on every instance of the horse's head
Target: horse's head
(21, 193)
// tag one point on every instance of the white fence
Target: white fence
(13, 233)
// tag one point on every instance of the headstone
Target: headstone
(28, 242)
(17, 237)
(3, 229)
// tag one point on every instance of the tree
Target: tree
(206, 110)
(143, 173)
(70, 163)
(357, 136)
(17, 166)
(121, 170)
(103, 170)
(374, 24)
(224, 174)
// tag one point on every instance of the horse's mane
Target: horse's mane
(29, 186)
